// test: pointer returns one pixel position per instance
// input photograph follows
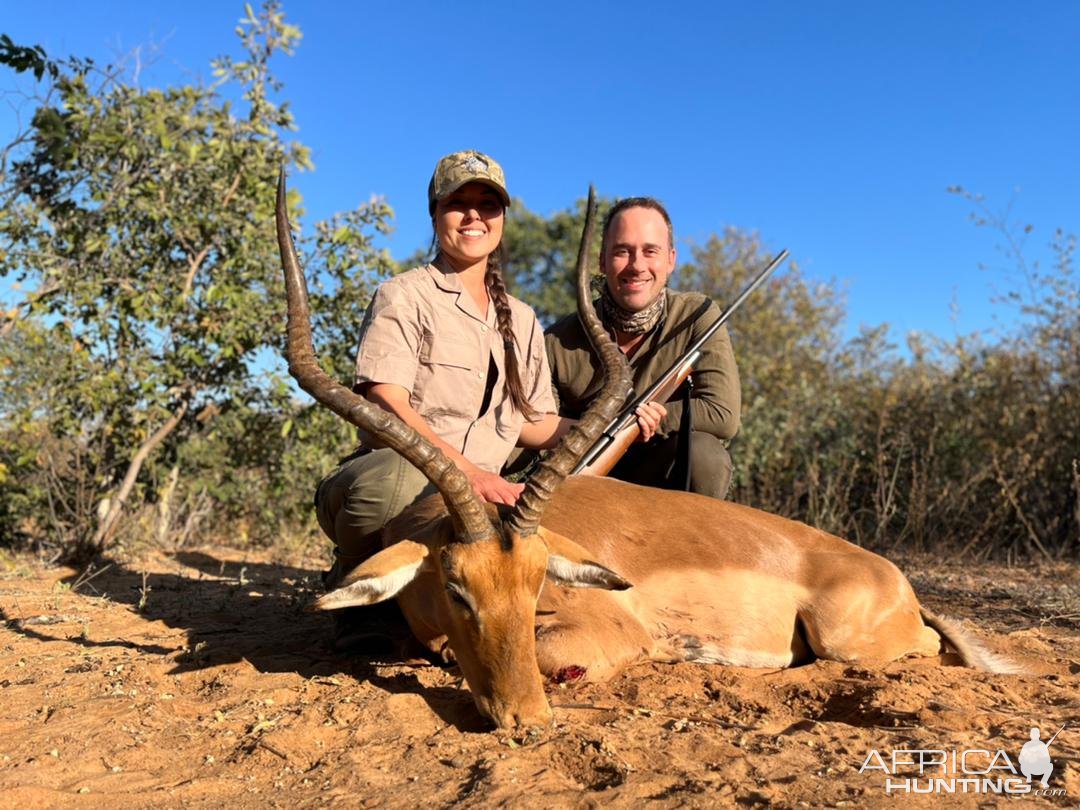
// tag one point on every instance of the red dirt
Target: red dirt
(197, 679)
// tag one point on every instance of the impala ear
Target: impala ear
(378, 578)
(569, 565)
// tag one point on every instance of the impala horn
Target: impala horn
(470, 518)
(542, 484)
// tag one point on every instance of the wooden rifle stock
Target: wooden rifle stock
(623, 429)
(608, 454)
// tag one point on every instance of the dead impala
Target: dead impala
(713, 582)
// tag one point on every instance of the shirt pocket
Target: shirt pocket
(453, 352)
(450, 380)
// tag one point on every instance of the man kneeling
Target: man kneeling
(683, 442)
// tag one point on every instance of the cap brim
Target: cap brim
(490, 183)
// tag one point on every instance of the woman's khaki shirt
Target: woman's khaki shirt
(423, 332)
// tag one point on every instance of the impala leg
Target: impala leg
(594, 651)
(872, 616)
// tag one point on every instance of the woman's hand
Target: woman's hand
(493, 488)
(649, 416)
(489, 486)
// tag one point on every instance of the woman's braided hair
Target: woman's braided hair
(496, 288)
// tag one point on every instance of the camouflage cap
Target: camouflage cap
(459, 168)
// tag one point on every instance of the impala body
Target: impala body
(712, 582)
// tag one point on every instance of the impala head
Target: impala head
(484, 571)
(487, 591)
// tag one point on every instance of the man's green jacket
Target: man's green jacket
(716, 395)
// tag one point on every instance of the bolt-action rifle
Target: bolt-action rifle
(623, 430)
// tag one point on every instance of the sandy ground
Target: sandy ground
(197, 679)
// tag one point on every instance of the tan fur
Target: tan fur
(713, 582)
(717, 581)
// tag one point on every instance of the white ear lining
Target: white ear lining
(561, 571)
(585, 574)
(369, 590)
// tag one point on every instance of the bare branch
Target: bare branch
(108, 525)
(193, 268)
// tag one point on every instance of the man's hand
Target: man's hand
(494, 488)
(649, 416)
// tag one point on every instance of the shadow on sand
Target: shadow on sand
(255, 612)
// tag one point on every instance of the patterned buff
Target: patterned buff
(631, 323)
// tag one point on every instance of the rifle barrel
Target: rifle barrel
(734, 305)
(696, 347)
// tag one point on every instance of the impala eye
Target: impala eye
(457, 597)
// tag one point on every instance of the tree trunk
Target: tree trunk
(105, 530)
(165, 500)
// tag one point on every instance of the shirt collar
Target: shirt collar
(449, 282)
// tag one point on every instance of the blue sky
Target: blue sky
(833, 129)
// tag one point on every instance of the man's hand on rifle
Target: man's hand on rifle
(649, 415)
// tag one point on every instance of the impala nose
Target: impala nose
(533, 719)
(521, 716)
